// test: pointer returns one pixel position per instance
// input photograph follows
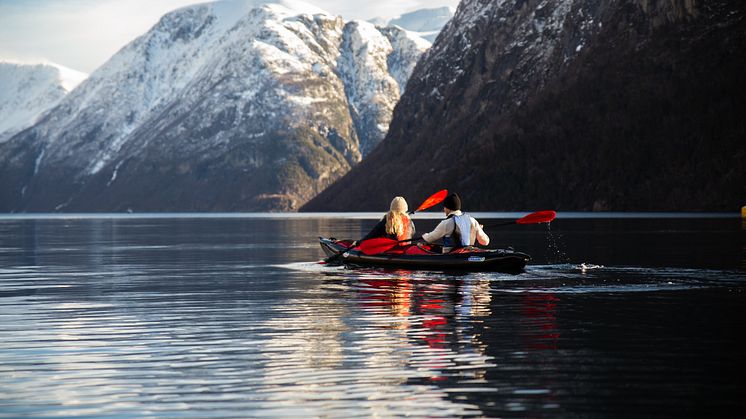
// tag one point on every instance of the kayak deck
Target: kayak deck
(422, 256)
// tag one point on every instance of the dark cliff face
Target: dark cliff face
(573, 105)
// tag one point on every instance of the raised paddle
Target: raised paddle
(432, 200)
(382, 244)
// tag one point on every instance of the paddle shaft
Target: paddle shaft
(505, 223)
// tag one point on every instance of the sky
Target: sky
(83, 34)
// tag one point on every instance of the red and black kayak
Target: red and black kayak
(426, 257)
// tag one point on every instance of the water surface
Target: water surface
(232, 316)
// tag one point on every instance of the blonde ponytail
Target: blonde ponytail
(394, 223)
(397, 220)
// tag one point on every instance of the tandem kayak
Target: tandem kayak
(423, 256)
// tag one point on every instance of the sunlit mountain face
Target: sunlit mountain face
(231, 105)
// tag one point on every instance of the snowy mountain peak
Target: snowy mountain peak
(424, 20)
(53, 72)
(426, 23)
(224, 14)
(282, 8)
(29, 90)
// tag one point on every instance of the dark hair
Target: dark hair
(452, 202)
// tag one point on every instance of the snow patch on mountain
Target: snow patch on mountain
(407, 47)
(371, 90)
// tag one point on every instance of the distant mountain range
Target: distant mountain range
(224, 106)
(29, 90)
(427, 23)
(569, 105)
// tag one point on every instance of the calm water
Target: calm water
(233, 317)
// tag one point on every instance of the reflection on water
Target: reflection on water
(539, 316)
(234, 318)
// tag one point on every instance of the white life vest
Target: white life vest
(461, 233)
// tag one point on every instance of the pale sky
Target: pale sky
(83, 34)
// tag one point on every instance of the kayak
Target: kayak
(424, 256)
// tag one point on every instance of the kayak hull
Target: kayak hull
(489, 260)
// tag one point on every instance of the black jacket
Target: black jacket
(379, 230)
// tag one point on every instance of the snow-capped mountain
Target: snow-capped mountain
(29, 90)
(427, 23)
(569, 104)
(231, 105)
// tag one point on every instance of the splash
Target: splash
(585, 267)
(555, 247)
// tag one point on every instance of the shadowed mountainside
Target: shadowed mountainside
(570, 104)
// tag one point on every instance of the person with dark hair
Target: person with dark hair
(458, 229)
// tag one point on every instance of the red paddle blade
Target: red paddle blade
(434, 199)
(537, 217)
(377, 245)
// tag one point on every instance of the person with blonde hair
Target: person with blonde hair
(395, 225)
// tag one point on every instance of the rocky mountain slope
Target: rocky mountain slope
(232, 105)
(572, 105)
(29, 90)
